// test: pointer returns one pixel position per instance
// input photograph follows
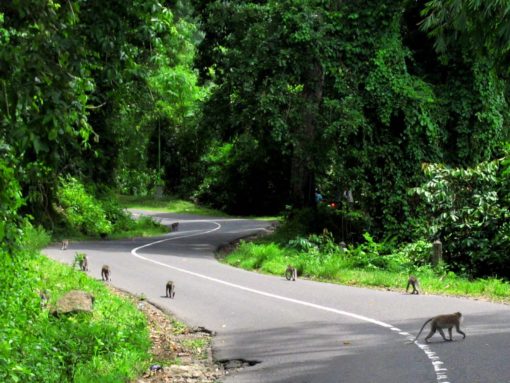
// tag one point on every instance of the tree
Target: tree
(350, 96)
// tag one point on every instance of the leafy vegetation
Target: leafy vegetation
(253, 107)
(468, 209)
(109, 345)
(369, 264)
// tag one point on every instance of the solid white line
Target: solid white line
(430, 354)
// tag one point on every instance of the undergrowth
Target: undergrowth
(109, 345)
(370, 263)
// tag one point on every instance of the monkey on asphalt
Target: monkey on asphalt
(65, 243)
(291, 273)
(170, 289)
(105, 273)
(413, 281)
(440, 322)
(175, 226)
(84, 263)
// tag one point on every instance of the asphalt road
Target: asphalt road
(301, 331)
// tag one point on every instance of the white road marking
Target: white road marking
(436, 363)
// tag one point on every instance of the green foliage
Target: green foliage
(393, 271)
(380, 98)
(240, 178)
(111, 345)
(480, 27)
(34, 238)
(81, 210)
(10, 202)
(469, 212)
(135, 182)
(314, 243)
(81, 86)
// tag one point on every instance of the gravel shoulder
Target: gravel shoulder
(180, 354)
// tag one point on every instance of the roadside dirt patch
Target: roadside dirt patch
(180, 354)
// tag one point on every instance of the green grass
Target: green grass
(175, 205)
(197, 346)
(142, 227)
(168, 205)
(272, 259)
(109, 345)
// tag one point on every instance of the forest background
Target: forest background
(255, 107)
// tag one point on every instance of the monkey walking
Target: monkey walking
(65, 243)
(105, 273)
(175, 226)
(291, 273)
(440, 322)
(170, 289)
(413, 281)
(84, 263)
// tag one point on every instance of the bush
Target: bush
(80, 209)
(469, 212)
(10, 201)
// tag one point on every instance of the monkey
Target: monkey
(438, 323)
(170, 289)
(105, 273)
(84, 263)
(413, 281)
(175, 226)
(65, 243)
(291, 273)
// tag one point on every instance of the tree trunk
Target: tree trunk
(303, 162)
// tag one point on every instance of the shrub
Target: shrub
(80, 209)
(469, 212)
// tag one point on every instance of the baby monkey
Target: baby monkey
(440, 322)
(170, 289)
(105, 273)
(413, 281)
(291, 273)
(65, 243)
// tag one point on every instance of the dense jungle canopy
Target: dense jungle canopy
(253, 106)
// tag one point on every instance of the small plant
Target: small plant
(196, 345)
(179, 327)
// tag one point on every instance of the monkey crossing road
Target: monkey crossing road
(304, 331)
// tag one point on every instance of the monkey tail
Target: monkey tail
(422, 327)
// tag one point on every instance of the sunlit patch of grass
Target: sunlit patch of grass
(178, 327)
(196, 346)
(175, 205)
(167, 204)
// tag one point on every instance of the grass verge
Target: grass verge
(175, 205)
(273, 259)
(167, 205)
(111, 344)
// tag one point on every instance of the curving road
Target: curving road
(301, 331)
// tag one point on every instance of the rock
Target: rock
(74, 302)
